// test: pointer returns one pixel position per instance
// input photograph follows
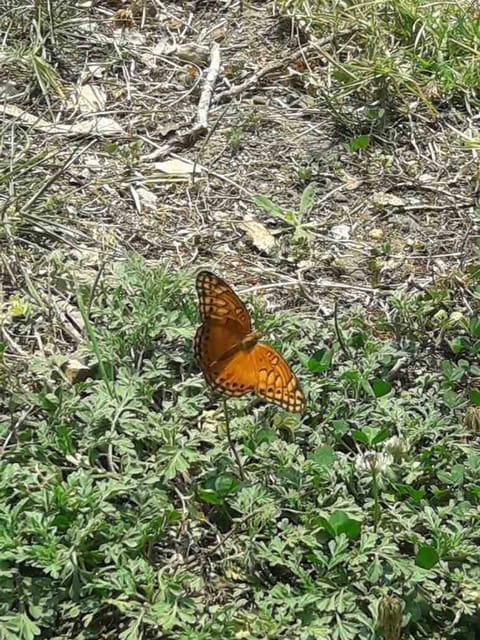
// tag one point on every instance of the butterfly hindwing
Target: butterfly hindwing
(234, 376)
(213, 341)
(276, 382)
(262, 370)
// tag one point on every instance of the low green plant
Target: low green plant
(293, 218)
(397, 54)
(123, 513)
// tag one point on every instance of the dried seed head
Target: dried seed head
(472, 419)
(390, 617)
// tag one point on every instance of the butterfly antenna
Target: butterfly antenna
(230, 441)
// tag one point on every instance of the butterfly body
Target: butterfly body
(229, 352)
(245, 344)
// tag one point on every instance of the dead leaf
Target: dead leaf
(351, 184)
(426, 178)
(376, 234)
(76, 371)
(260, 236)
(123, 19)
(96, 70)
(88, 98)
(98, 126)
(340, 232)
(190, 51)
(9, 90)
(382, 200)
(144, 199)
(219, 33)
(176, 167)
(103, 126)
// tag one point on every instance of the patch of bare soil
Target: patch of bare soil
(154, 126)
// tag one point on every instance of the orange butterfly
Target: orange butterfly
(229, 353)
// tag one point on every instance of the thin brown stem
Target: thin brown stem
(230, 441)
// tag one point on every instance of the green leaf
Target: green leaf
(340, 427)
(381, 435)
(381, 387)
(341, 75)
(358, 339)
(459, 345)
(210, 496)
(133, 631)
(270, 207)
(451, 372)
(307, 199)
(352, 375)
(323, 522)
(366, 386)
(474, 327)
(321, 361)
(375, 113)
(452, 399)
(323, 457)
(342, 523)
(351, 529)
(371, 435)
(49, 402)
(27, 628)
(416, 495)
(225, 484)
(360, 436)
(265, 435)
(360, 142)
(474, 396)
(177, 463)
(455, 477)
(427, 557)
(375, 571)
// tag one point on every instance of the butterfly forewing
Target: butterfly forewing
(218, 301)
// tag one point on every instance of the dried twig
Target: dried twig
(187, 137)
(207, 91)
(269, 68)
(327, 284)
(277, 64)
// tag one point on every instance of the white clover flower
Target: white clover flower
(397, 447)
(372, 461)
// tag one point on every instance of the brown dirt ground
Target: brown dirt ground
(73, 201)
